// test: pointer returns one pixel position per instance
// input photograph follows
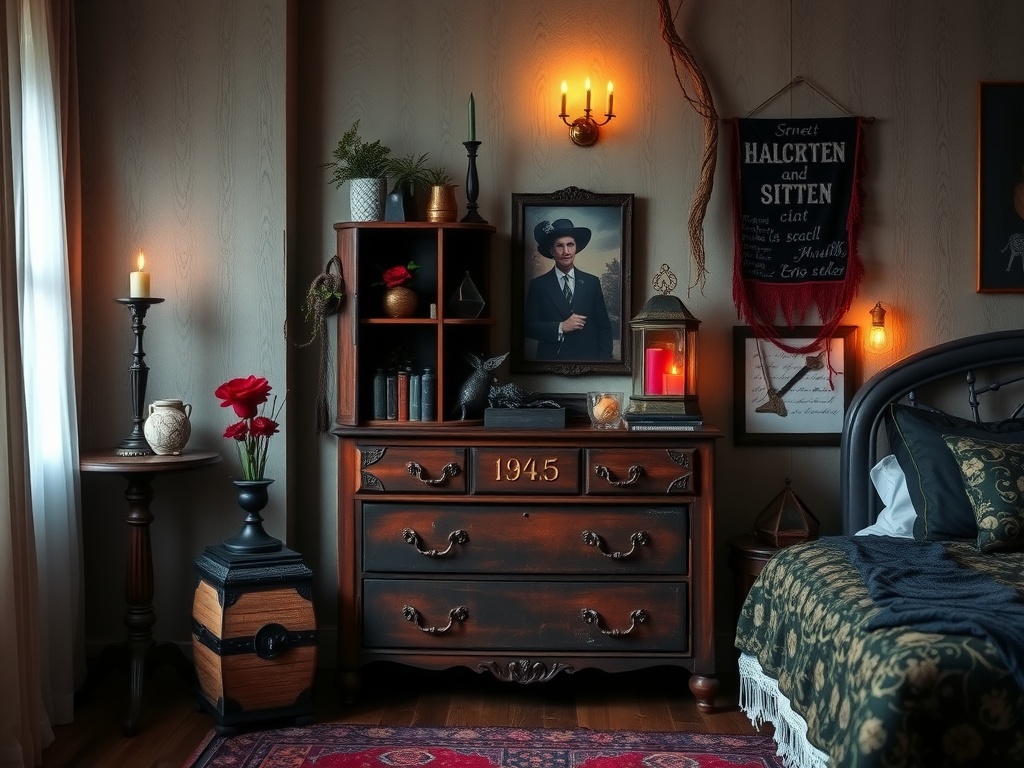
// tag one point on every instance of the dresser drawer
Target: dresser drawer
(526, 470)
(526, 616)
(630, 472)
(412, 469)
(592, 539)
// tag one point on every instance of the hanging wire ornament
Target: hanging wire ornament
(704, 105)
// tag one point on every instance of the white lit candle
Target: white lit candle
(139, 281)
(588, 94)
(565, 87)
(610, 97)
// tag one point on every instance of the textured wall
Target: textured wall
(185, 118)
(183, 125)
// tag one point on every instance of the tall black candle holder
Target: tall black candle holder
(138, 374)
(472, 185)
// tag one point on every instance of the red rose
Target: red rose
(397, 276)
(237, 431)
(244, 395)
(263, 427)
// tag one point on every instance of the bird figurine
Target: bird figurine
(473, 395)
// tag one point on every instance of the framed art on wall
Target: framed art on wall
(571, 255)
(781, 398)
(1001, 187)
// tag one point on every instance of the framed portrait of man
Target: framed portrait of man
(571, 255)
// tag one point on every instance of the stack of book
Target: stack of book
(662, 422)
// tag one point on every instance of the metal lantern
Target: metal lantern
(786, 520)
(664, 360)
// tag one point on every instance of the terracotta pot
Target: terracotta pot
(400, 301)
(442, 205)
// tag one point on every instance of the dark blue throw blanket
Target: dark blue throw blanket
(917, 584)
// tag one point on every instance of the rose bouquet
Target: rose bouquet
(248, 397)
(396, 276)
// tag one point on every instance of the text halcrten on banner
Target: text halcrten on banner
(797, 221)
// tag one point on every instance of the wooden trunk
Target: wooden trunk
(254, 637)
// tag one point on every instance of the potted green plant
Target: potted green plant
(409, 173)
(365, 165)
(441, 206)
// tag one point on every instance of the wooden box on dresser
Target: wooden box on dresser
(524, 553)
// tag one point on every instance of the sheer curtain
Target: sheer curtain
(40, 551)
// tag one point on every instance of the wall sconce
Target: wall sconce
(664, 361)
(878, 335)
(584, 130)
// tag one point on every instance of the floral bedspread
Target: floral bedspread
(888, 697)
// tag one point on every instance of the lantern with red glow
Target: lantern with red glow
(664, 358)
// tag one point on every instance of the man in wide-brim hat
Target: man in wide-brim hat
(565, 310)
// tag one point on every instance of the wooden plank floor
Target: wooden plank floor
(171, 726)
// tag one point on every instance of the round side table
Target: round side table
(747, 557)
(139, 616)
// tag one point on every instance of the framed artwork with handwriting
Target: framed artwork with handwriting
(784, 398)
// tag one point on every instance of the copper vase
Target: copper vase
(400, 301)
(442, 205)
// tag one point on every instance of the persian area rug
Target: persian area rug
(329, 745)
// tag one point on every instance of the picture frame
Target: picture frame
(604, 223)
(811, 398)
(1000, 261)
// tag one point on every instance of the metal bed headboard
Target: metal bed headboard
(859, 444)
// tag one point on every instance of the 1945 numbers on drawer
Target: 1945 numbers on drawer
(526, 470)
(513, 470)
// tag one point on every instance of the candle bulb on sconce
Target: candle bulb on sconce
(878, 336)
(583, 131)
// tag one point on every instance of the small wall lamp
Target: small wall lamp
(878, 335)
(584, 130)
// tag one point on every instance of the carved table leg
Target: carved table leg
(704, 689)
(139, 616)
(348, 685)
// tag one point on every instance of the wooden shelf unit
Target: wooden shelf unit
(445, 254)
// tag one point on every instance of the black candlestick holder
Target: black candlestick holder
(138, 374)
(472, 185)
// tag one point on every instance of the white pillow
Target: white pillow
(898, 514)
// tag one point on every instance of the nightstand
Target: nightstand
(747, 557)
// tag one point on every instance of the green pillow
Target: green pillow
(933, 477)
(993, 475)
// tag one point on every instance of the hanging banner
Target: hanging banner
(797, 221)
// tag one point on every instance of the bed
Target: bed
(906, 647)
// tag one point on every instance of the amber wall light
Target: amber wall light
(879, 338)
(584, 130)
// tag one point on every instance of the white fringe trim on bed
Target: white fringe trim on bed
(761, 700)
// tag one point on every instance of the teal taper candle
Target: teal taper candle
(472, 118)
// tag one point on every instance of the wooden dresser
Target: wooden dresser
(526, 553)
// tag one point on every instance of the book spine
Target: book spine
(415, 397)
(403, 395)
(428, 394)
(392, 388)
(380, 394)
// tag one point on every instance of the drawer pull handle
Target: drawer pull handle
(590, 616)
(633, 474)
(448, 470)
(638, 539)
(459, 615)
(455, 537)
